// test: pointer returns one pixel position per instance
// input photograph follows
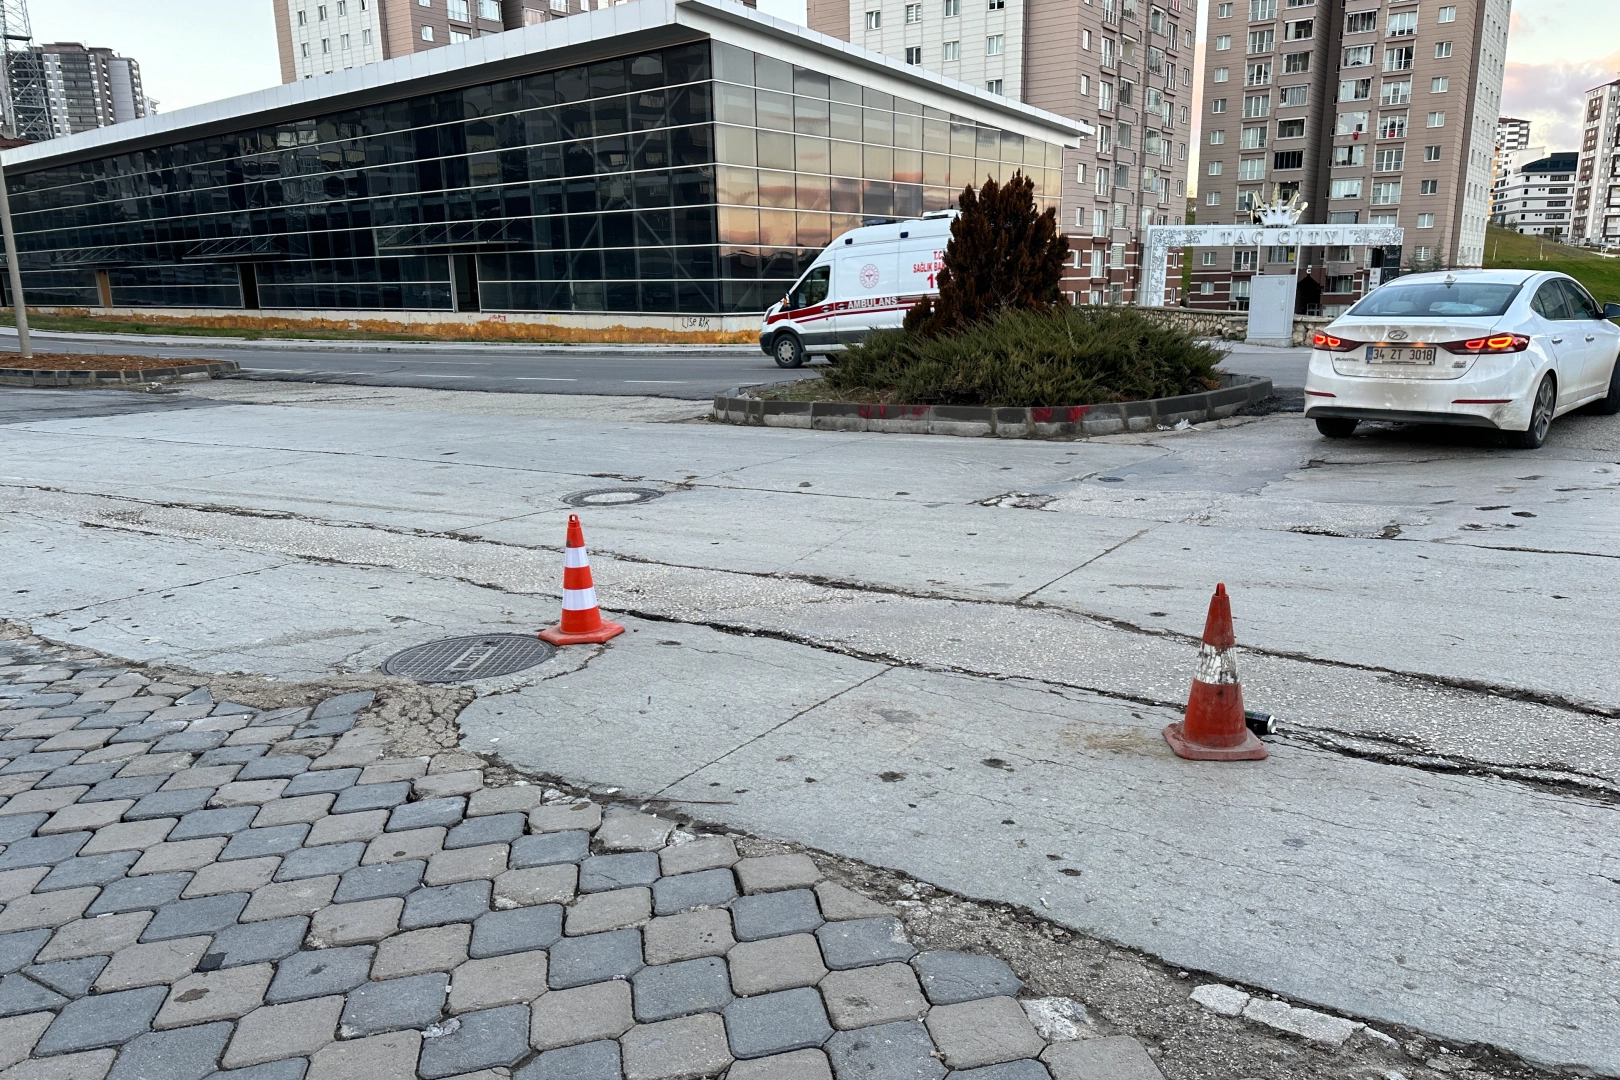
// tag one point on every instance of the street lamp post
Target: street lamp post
(23, 344)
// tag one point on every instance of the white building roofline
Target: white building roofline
(463, 64)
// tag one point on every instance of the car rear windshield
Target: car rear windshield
(1436, 299)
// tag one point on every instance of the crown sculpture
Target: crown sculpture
(1278, 214)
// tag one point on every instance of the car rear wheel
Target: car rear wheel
(787, 351)
(1609, 406)
(1336, 427)
(1541, 416)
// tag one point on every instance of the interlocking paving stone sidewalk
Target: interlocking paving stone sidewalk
(198, 901)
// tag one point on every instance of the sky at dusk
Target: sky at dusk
(202, 50)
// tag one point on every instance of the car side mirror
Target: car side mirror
(1611, 311)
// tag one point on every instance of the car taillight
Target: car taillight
(1329, 343)
(1495, 343)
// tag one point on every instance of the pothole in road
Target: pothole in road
(621, 496)
(463, 659)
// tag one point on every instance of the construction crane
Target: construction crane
(25, 111)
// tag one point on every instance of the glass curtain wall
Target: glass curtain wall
(697, 179)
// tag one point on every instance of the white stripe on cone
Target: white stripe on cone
(579, 599)
(1216, 666)
(575, 557)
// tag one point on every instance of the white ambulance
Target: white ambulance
(866, 280)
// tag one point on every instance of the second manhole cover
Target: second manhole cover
(463, 659)
(620, 496)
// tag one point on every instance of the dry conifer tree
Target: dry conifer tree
(1003, 255)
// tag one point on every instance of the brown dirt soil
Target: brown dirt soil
(48, 361)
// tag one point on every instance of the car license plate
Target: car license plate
(1400, 354)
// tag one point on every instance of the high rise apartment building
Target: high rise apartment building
(87, 88)
(315, 38)
(1597, 181)
(1512, 134)
(1535, 192)
(1122, 66)
(1380, 112)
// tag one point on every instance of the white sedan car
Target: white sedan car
(1504, 349)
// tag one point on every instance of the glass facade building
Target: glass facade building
(692, 178)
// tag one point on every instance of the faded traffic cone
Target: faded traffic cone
(1214, 728)
(582, 621)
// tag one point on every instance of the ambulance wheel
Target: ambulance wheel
(787, 351)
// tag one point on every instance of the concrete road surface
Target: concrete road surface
(949, 656)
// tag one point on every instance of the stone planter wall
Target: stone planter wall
(73, 377)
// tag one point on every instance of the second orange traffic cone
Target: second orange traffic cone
(1214, 728)
(582, 621)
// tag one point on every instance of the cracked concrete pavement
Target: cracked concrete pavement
(835, 635)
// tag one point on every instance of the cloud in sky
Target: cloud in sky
(1551, 96)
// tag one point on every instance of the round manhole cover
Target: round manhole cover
(463, 659)
(622, 496)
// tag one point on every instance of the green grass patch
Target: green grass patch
(1071, 356)
(1508, 250)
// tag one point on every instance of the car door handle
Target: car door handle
(1557, 341)
(1591, 337)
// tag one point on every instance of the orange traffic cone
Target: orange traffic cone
(582, 621)
(1214, 728)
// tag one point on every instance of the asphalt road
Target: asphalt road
(692, 372)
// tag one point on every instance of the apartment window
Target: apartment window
(994, 86)
(1391, 160)
(1119, 214)
(343, 42)
(1223, 11)
(1116, 256)
(1217, 138)
(1212, 199)
(1349, 156)
(1257, 75)
(427, 33)
(1399, 59)
(913, 13)
(1252, 169)
(424, 3)
(1216, 168)
(1262, 10)
(1431, 153)
(1186, 115)
(1103, 182)
(1254, 137)
(1420, 253)
(1290, 129)
(1299, 31)
(458, 36)
(489, 9)
(1288, 159)
(1429, 187)
(1442, 49)
(457, 10)
(1261, 41)
(1402, 23)
(1218, 105)
(1392, 127)
(1355, 90)
(1107, 59)
(953, 8)
(1425, 221)
(1257, 105)
(1155, 62)
(326, 45)
(1085, 85)
(1358, 56)
(1097, 268)
(1079, 178)
(1437, 119)
(1340, 283)
(1245, 260)
(1448, 14)
(303, 18)
(874, 20)
(1360, 22)
(1208, 258)
(1291, 97)
(343, 7)
(1223, 42)
(1386, 193)
(320, 13)
(1345, 189)
(1296, 63)
(953, 51)
(365, 37)
(1150, 179)
(1396, 93)
(997, 5)
(914, 54)
(1439, 84)
(992, 45)
(1122, 135)
(1105, 95)
(303, 48)
(1156, 24)
(1223, 74)
(1344, 217)
(1105, 138)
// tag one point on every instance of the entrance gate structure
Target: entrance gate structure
(1271, 305)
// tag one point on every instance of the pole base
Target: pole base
(602, 633)
(1250, 749)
